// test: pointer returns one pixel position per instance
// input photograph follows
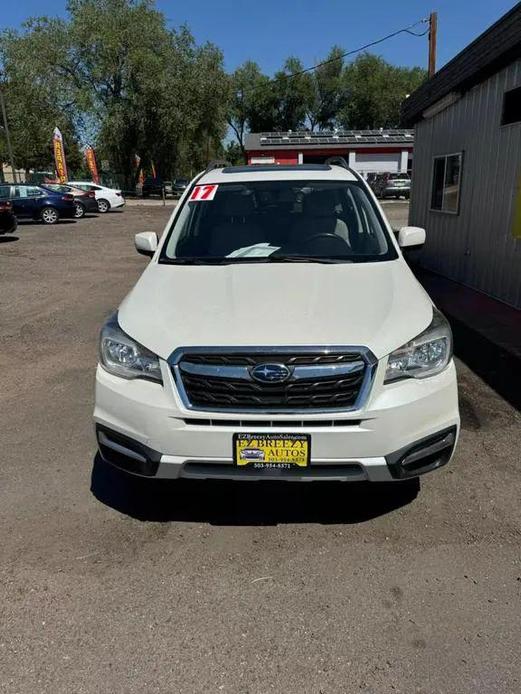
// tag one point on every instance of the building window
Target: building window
(446, 181)
(511, 107)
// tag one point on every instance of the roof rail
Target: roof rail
(338, 161)
(217, 164)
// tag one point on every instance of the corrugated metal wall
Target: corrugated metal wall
(477, 246)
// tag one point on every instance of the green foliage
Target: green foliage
(366, 93)
(113, 74)
(233, 153)
(291, 97)
(326, 91)
(251, 101)
(375, 91)
(120, 78)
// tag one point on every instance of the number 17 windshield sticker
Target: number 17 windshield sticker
(203, 193)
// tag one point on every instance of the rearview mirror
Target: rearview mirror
(411, 237)
(146, 243)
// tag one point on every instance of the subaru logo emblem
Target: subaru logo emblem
(270, 373)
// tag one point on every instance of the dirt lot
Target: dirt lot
(109, 586)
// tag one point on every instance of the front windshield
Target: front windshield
(277, 221)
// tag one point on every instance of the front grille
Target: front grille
(254, 424)
(213, 381)
(261, 357)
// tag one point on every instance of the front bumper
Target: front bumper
(383, 441)
(387, 192)
(90, 204)
(67, 212)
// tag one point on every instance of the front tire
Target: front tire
(103, 205)
(50, 215)
(79, 211)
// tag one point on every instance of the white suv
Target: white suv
(277, 333)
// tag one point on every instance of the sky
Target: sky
(268, 31)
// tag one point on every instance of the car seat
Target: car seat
(237, 231)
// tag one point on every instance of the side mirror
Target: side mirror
(146, 243)
(411, 237)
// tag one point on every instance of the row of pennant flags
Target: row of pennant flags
(60, 161)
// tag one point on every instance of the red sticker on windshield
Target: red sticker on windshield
(201, 193)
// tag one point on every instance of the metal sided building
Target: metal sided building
(367, 151)
(466, 184)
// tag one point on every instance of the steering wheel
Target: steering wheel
(328, 236)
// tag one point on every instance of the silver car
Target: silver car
(394, 185)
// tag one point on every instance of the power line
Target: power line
(405, 30)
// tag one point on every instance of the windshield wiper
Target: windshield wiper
(254, 259)
(305, 259)
(195, 261)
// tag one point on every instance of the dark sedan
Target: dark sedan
(8, 221)
(85, 201)
(179, 186)
(152, 186)
(34, 202)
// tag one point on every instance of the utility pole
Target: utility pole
(6, 129)
(433, 34)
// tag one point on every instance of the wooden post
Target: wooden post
(433, 34)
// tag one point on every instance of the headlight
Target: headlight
(122, 356)
(426, 355)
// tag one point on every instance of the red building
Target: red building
(367, 151)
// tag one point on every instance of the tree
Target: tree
(326, 91)
(375, 91)
(125, 80)
(35, 106)
(233, 153)
(292, 96)
(251, 101)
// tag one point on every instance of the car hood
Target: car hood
(376, 305)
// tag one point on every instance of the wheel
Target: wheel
(80, 210)
(103, 205)
(50, 215)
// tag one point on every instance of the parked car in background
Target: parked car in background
(179, 186)
(152, 186)
(35, 202)
(371, 180)
(108, 198)
(84, 201)
(156, 186)
(8, 221)
(392, 185)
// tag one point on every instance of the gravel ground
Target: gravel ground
(113, 586)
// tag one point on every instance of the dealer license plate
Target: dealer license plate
(272, 450)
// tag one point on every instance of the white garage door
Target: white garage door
(377, 163)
